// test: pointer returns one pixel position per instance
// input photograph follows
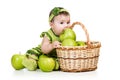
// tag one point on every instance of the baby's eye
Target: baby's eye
(61, 22)
(68, 22)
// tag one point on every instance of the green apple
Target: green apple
(69, 42)
(68, 34)
(16, 61)
(80, 43)
(57, 65)
(46, 64)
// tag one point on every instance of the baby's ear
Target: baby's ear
(51, 23)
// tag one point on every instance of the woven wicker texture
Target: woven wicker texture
(79, 58)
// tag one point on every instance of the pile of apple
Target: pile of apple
(46, 63)
(68, 38)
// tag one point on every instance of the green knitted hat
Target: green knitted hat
(56, 11)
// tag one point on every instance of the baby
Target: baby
(59, 19)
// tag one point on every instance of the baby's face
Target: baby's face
(60, 23)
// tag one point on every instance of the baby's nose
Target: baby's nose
(66, 25)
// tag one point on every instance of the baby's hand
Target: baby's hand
(56, 44)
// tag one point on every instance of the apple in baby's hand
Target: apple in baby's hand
(69, 42)
(16, 61)
(68, 33)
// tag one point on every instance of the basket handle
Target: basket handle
(85, 30)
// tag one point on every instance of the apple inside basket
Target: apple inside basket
(79, 58)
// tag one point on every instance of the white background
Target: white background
(22, 21)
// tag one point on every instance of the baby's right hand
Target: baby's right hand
(56, 44)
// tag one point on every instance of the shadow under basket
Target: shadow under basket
(79, 58)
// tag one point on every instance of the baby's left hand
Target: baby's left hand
(56, 44)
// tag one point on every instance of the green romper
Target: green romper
(52, 37)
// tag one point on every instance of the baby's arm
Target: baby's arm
(47, 46)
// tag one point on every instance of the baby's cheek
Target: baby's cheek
(60, 31)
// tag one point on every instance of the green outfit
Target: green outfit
(52, 37)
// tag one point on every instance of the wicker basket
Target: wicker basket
(79, 58)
